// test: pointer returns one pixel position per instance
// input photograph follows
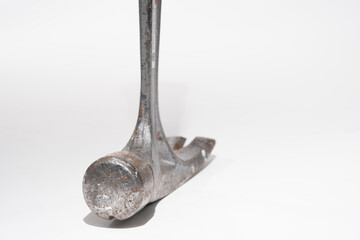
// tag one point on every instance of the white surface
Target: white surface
(276, 83)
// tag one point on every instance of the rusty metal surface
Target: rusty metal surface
(150, 166)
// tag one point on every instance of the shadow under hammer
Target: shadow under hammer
(139, 219)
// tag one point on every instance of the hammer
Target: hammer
(150, 166)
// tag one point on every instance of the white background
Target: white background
(276, 83)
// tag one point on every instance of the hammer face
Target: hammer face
(117, 186)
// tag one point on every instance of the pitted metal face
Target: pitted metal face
(150, 166)
(115, 187)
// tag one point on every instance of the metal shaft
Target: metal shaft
(149, 12)
(148, 117)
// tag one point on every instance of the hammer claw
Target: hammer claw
(176, 142)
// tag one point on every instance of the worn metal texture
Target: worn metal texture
(150, 166)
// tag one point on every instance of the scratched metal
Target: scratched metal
(150, 166)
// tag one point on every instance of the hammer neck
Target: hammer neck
(150, 11)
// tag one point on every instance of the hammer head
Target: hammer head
(118, 185)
